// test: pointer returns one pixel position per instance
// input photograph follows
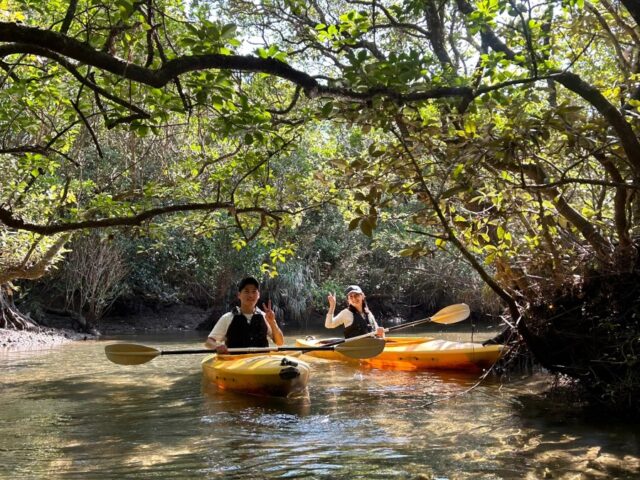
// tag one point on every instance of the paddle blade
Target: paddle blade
(130, 353)
(452, 314)
(362, 347)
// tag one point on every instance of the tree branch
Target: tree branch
(52, 45)
(600, 244)
(44, 52)
(84, 119)
(82, 52)
(620, 200)
(624, 132)
(573, 82)
(38, 269)
(11, 221)
(68, 18)
(436, 33)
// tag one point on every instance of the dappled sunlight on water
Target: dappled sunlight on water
(69, 413)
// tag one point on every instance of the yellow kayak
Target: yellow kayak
(257, 374)
(419, 353)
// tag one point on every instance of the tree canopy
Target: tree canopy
(503, 129)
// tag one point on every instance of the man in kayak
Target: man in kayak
(246, 326)
(356, 318)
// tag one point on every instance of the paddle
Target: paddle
(135, 354)
(448, 315)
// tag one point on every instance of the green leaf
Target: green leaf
(588, 212)
(327, 108)
(228, 31)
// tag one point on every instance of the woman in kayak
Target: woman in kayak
(246, 326)
(357, 319)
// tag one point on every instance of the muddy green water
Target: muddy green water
(67, 412)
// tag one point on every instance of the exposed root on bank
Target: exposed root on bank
(10, 316)
(589, 331)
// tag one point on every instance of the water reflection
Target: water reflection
(216, 401)
(69, 413)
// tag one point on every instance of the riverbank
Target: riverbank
(176, 317)
(44, 337)
(58, 330)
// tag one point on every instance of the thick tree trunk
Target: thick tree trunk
(10, 316)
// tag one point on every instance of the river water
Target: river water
(67, 412)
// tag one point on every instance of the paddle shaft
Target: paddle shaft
(134, 354)
(463, 314)
(239, 351)
(408, 324)
(390, 329)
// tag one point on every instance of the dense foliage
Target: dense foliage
(503, 131)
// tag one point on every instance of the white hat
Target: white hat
(353, 289)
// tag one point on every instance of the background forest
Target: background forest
(180, 143)
(125, 276)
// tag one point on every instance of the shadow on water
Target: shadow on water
(97, 423)
(575, 442)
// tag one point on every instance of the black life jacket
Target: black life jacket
(362, 323)
(243, 334)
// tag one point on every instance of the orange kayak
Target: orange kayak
(418, 353)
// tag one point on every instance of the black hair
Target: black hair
(365, 307)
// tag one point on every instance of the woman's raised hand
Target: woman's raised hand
(332, 301)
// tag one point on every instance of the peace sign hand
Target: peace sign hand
(270, 315)
(332, 301)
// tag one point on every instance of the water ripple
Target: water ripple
(68, 413)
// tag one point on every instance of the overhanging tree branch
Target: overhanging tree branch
(52, 45)
(44, 52)
(625, 133)
(453, 238)
(85, 53)
(11, 221)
